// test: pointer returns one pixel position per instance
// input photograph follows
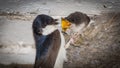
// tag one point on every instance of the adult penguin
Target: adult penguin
(49, 41)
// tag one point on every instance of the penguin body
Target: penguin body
(79, 21)
(49, 43)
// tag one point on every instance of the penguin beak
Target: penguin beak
(65, 24)
(55, 22)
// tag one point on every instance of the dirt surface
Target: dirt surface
(16, 66)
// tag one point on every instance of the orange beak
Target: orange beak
(65, 24)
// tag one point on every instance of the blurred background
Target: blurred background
(98, 47)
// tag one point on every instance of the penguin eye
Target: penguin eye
(40, 31)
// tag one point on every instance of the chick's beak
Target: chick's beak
(65, 24)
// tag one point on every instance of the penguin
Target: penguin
(49, 43)
(78, 23)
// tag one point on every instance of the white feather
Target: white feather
(61, 54)
(48, 29)
(61, 57)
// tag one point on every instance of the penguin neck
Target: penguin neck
(49, 29)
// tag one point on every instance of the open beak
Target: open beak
(65, 24)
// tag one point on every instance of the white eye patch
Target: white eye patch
(48, 29)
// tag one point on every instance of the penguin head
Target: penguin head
(43, 23)
(77, 20)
